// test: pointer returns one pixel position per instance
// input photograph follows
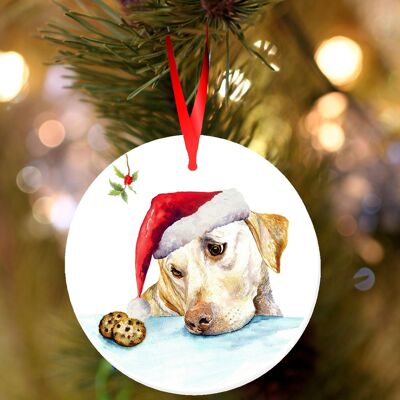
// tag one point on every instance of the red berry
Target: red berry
(128, 180)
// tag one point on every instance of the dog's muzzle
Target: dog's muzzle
(199, 318)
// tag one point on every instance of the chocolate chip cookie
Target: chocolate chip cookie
(129, 332)
(108, 322)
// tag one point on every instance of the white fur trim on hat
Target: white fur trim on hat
(224, 208)
(139, 308)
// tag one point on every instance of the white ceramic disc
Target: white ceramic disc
(100, 269)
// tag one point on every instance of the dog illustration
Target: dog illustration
(214, 255)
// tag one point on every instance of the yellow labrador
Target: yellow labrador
(219, 281)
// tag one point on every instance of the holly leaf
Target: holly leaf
(116, 186)
(135, 175)
(118, 172)
(114, 193)
(130, 188)
(124, 196)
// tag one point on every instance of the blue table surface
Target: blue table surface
(172, 359)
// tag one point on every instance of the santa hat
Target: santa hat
(175, 219)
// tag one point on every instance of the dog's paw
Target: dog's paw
(139, 308)
(129, 332)
(108, 321)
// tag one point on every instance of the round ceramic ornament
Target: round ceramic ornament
(192, 282)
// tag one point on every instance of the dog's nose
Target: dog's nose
(199, 318)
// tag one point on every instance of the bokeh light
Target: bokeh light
(371, 203)
(41, 209)
(96, 138)
(51, 133)
(312, 121)
(271, 53)
(55, 82)
(274, 66)
(76, 120)
(14, 74)
(324, 122)
(238, 83)
(61, 212)
(355, 186)
(29, 179)
(330, 136)
(365, 279)
(266, 45)
(340, 59)
(332, 105)
(370, 250)
(346, 225)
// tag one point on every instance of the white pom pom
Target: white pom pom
(139, 308)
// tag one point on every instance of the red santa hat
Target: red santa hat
(175, 219)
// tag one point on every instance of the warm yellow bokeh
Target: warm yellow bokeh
(239, 85)
(331, 136)
(340, 59)
(14, 74)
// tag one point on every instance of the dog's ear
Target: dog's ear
(270, 231)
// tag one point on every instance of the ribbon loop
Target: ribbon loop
(190, 125)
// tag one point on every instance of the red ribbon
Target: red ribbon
(190, 125)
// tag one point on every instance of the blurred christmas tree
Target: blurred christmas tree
(280, 105)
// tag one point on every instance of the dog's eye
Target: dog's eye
(216, 249)
(176, 273)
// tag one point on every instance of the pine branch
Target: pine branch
(120, 63)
